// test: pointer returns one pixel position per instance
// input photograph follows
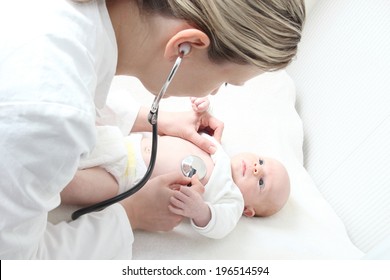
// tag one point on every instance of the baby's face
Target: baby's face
(264, 183)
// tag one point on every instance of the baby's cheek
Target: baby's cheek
(240, 184)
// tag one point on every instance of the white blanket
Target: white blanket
(259, 117)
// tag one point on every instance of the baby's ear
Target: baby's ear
(249, 211)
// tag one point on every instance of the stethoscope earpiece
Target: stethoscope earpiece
(184, 48)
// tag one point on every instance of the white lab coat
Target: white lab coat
(57, 60)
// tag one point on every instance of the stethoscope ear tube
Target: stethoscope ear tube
(105, 203)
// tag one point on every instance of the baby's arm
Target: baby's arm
(90, 186)
(188, 202)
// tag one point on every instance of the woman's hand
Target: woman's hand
(148, 208)
(187, 125)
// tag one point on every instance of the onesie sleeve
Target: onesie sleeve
(223, 198)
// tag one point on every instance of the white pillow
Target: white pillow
(259, 117)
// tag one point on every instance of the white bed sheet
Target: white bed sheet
(259, 117)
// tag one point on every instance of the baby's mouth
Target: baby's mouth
(243, 168)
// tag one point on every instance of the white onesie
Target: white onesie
(223, 197)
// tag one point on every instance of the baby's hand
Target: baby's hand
(188, 202)
(200, 104)
(196, 185)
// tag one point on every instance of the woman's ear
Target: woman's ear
(196, 38)
(249, 211)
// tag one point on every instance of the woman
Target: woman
(57, 60)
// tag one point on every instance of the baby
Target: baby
(245, 184)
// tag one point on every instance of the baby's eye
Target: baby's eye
(261, 184)
(261, 162)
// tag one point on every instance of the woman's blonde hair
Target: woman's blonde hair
(264, 33)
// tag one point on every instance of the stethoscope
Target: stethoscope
(190, 165)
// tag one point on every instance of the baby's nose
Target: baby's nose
(257, 169)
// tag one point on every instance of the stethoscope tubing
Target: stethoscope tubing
(105, 203)
(152, 118)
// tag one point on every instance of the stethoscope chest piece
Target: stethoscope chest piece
(193, 164)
